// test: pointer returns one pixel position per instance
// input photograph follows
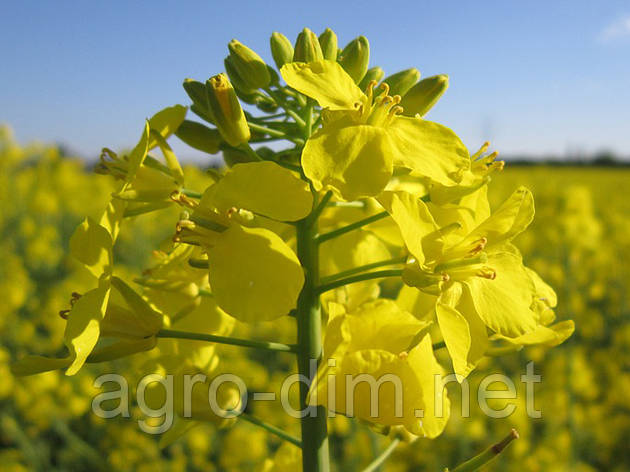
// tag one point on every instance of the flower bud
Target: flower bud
(281, 49)
(197, 93)
(373, 73)
(266, 105)
(199, 136)
(355, 58)
(275, 78)
(226, 110)
(422, 96)
(400, 82)
(307, 48)
(328, 43)
(249, 65)
(240, 85)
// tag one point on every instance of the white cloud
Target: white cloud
(620, 28)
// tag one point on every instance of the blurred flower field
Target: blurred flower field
(578, 242)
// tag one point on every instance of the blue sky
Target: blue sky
(533, 77)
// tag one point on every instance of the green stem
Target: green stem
(486, 456)
(383, 456)
(269, 346)
(263, 129)
(271, 117)
(320, 238)
(363, 268)
(315, 456)
(308, 125)
(298, 119)
(320, 207)
(379, 274)
(271, 428)
(250, 152)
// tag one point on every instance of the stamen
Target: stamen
(394, 111)
(480, 245)
(385, 87)
(386, 100)
(482, 150)
(487, 273)
(491, 157)
(497, 165)
(183, 200)
(458, 263)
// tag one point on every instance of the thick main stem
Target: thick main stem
(315, 457)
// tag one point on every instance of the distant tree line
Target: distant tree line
(599, 159)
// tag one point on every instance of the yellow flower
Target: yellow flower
(147, 180)
(253, 273)
(93, 315)
(363, 137)
(470, 271)
(388, 348)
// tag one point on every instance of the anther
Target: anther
(395, 111)
(487, 273)
(497, 165)
(484, 147)
(480, 245)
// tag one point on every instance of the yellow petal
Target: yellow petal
(91, 244)
(264, 188)
(165, 122)
(463, 331)
(546, 336)
(350, 250)
(504, 302)
(354, 160)
(428, 149)
(418, 303)
(139, 321)
(138, 153)
(543, 290)
(112, 216)
(510, 219)
(325, 81)
(427, 371)
(254, 275)
(416, 224)
(169, 156)
(83, 328)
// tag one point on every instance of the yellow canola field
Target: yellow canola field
(579, 243)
